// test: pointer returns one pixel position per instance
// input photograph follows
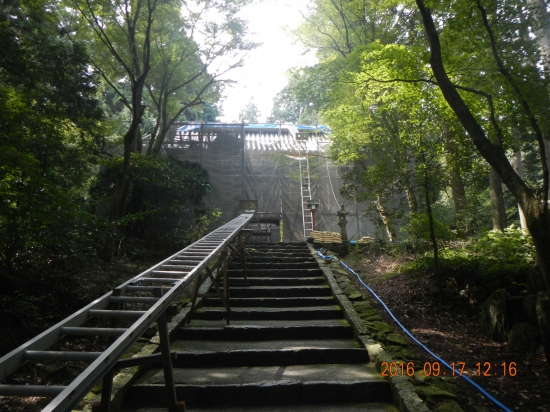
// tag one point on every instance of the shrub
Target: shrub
(477, 268)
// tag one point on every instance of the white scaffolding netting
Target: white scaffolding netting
(265, 167)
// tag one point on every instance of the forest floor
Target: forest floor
(450, 328)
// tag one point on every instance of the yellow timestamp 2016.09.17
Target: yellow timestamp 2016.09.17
(484, 369)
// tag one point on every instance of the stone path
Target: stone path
(288, 347)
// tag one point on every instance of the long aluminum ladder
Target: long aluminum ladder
(158, 286)
(305, 184)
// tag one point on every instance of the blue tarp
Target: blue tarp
(299, 127)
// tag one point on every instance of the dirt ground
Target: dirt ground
(450, 329)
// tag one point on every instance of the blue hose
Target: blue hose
(471, 382)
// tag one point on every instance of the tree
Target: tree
(533, 204)
(249, 113)
(51, 137)
(184, 74)
(127, 38)
(49, 118)
(121, 53)
(296, 103)
(335, 27)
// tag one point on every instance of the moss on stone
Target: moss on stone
(432, 394)
(451, 406)
(395, 339)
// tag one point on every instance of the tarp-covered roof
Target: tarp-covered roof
(268, 127)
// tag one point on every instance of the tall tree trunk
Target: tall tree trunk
(536, 211)
(458, 191)
(542, 30)
(411, 199)
(433, 237)
(384, 215)
(518, 166)
(542, 33)
(123, 186)
(409, 190)
(498, 211)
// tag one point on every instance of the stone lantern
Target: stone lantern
(342, 222)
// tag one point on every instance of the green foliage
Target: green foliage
(418, 231)
(49, 119)
(249, 113)
(477, 268)
(298, 101)
(203, 224)
(50, 138)
(166, 200)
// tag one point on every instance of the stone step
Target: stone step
(274, 273)
(279, 253)
(291, 265)
(251, 313)
(268, 302)
(264, 259)
(265, 330)
(280, 291)
(265, 385)
(313, 407)
(267, 357)
(279, 281)
(286, 246)
(232, 345)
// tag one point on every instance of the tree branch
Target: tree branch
(525, 106)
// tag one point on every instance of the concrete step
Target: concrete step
(265, 330)
(266, 385)
(268, 302)
(264, 259)
(259, 313)
(281, 254)
(267, 357)
(216, 346)
(279, 281)
(284, 246)
(275, 273)
(313, 407)
(280, 291)
(274, 265)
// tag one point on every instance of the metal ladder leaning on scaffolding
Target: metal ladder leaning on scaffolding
(305, 191)
(157, 287)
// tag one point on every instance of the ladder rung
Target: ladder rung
(158, 280)
(75, 331)
(136, 288)
(61, 356)
(30, 390)
(183, 262)
(176, 273)
(133, 299)
(132, 314)
(178, 267)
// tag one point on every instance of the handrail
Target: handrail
(203, 252)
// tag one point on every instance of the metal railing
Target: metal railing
(163, 282)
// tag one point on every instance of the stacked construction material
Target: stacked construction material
(325, 237)
(366, 239)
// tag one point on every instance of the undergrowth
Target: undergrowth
(472, 269)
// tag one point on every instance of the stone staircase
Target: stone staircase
(287, 348)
